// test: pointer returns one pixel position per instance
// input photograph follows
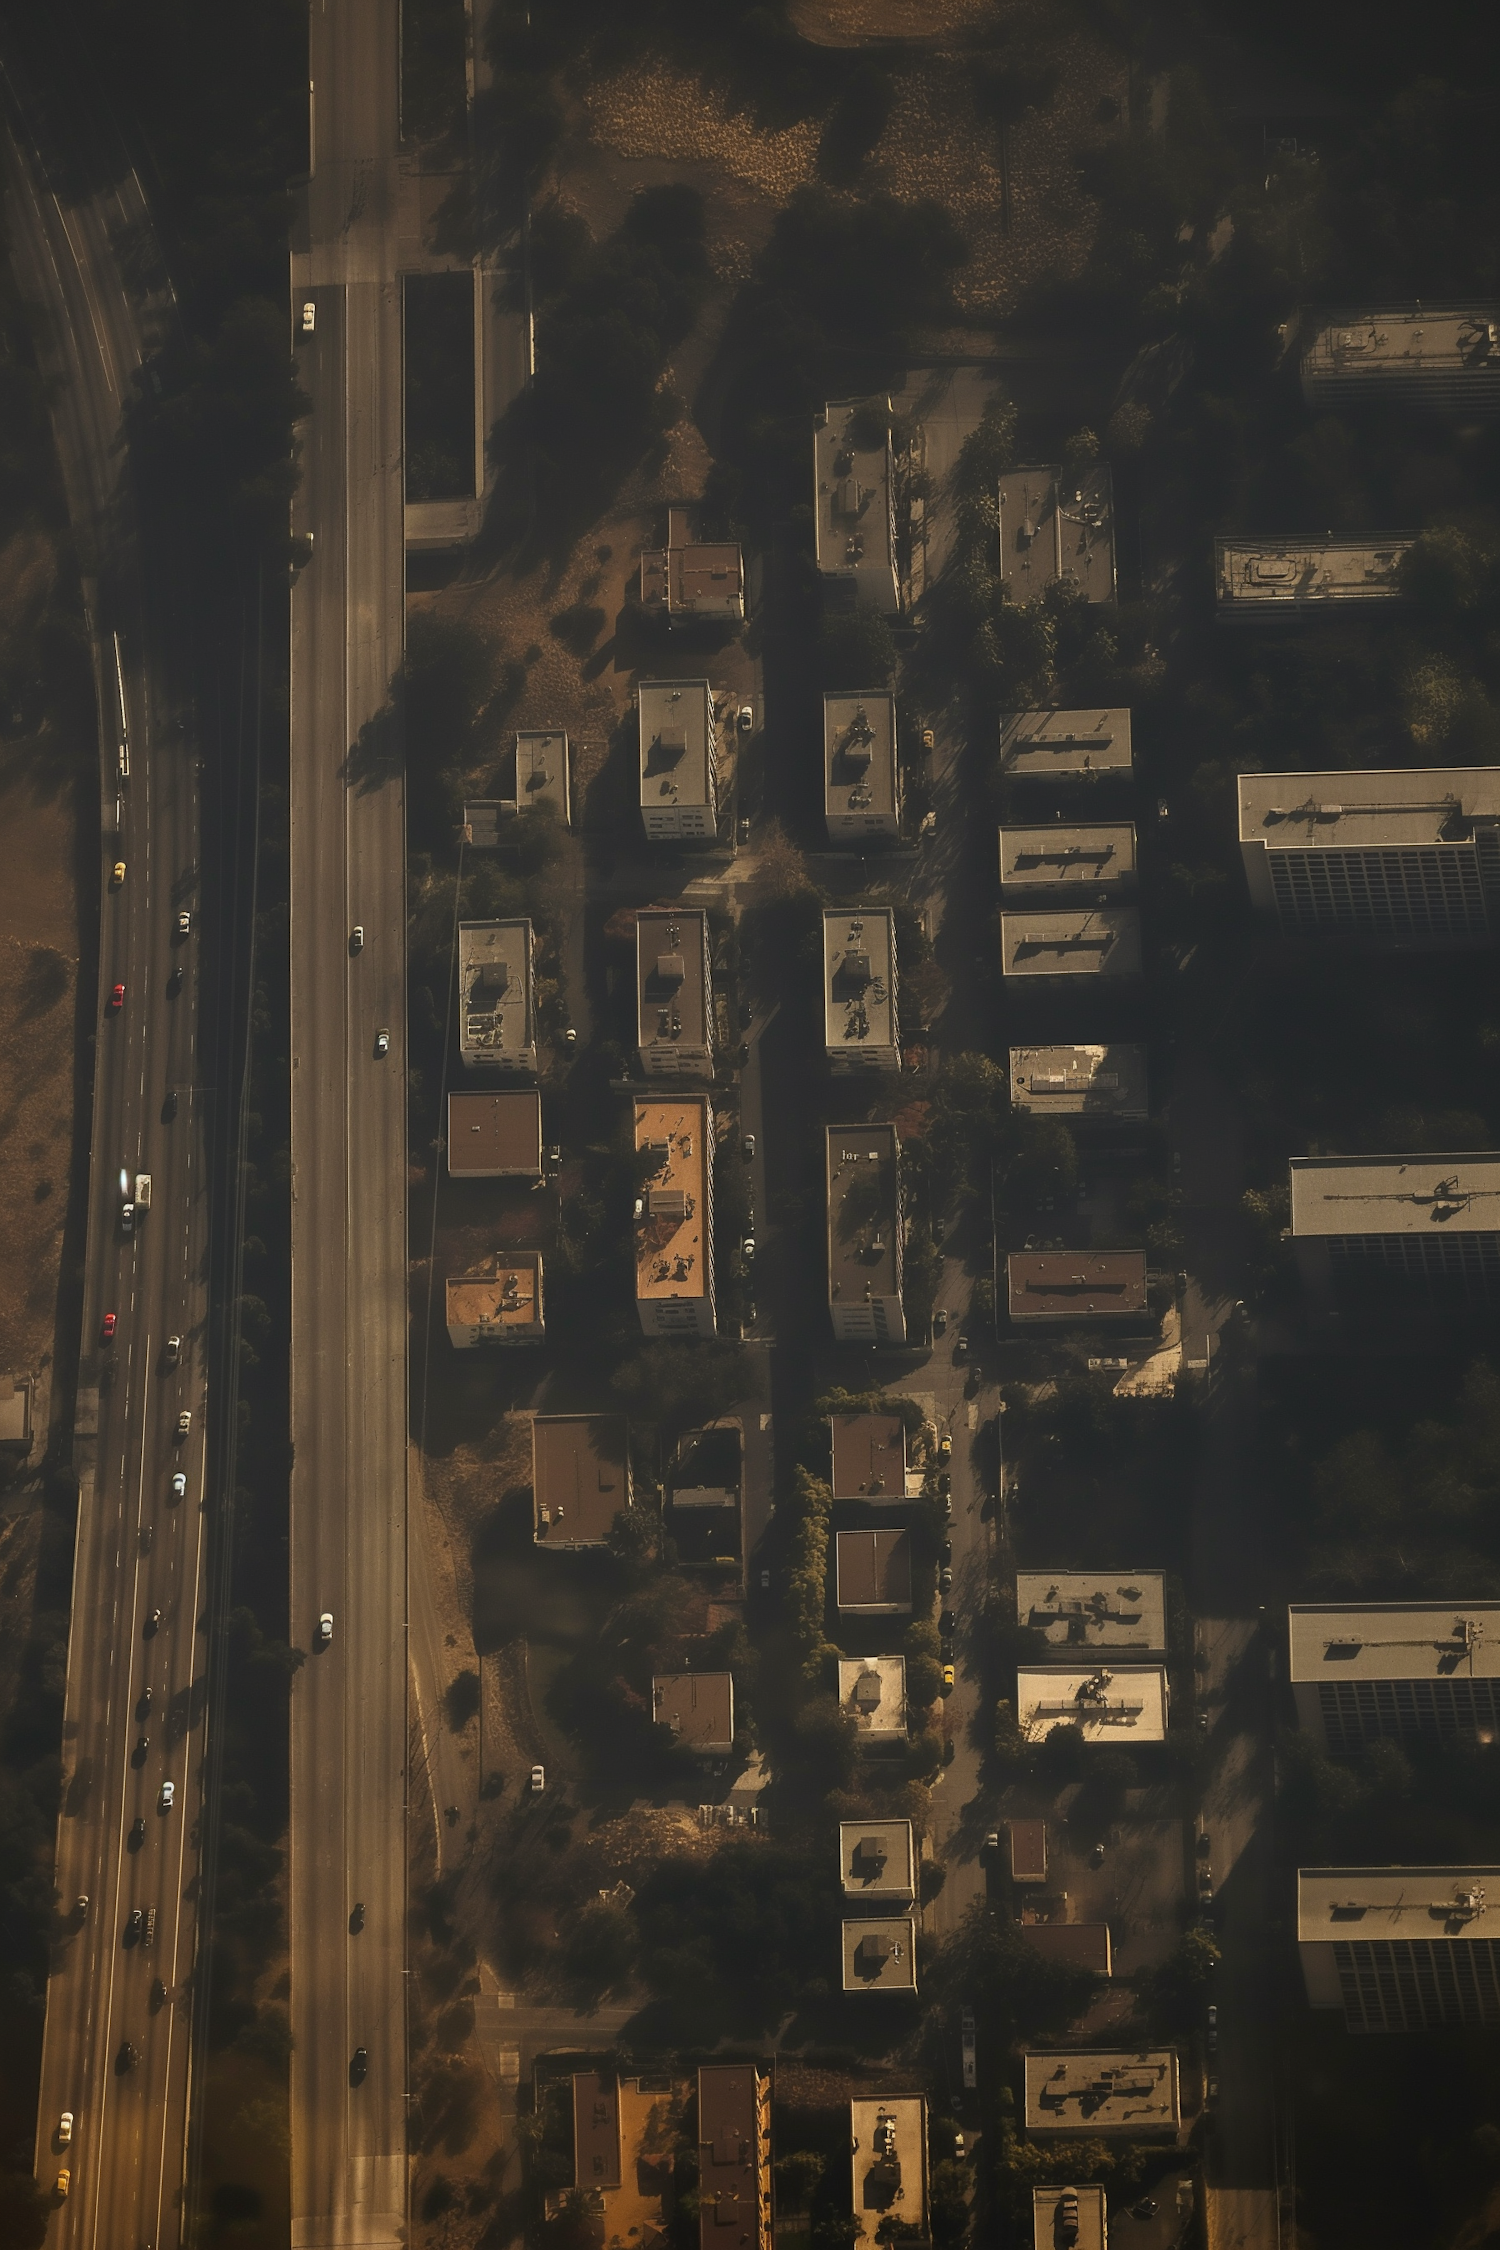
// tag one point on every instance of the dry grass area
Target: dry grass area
(860, 23)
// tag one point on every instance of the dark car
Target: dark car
(135, 1925)
(174, 981)
(169, 1106)
(357, 1918)
(945, 1624)
(127, 2058)
(138, 1754)
(137, 1833)
(359, 2064)
(158, 1994)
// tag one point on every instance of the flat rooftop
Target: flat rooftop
(505, 1296)
(859, 977)
(1086, 2226)
(698, 1707)
(1375, 811)
(542, 772)
(1342, 1195)
(671, 1241)
(1289, 572)
(1103, 1082)
(1094, 1609)
(1055, 525)
(1050, 856)
(1064, 745)
(880, 1954)
(863, 1211)
(1071, 1945)
(1120, 1703)
(691, 577)
(1410, 1904)
(1102, 2093)
(1028, 1850)
(495, 1136)
(1395, 340)
(580, 1475)
(676, 721)
(1071, 941)
(859, 755)
(671, 981)
(1075, 1284)
(877, 1858)
(596, 2130)
(734, 2155)
(1394, 1640)
(869, 1456)
(852, 526)
(872, 1692)
(496, 1023)
(873, 1570)
(888, 2148)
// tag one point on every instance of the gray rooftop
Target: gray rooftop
(1405, 1904)
(1394, 1640)
(676, 717)
(1094, 1609)
(1341, 1195)
(863, 1211)
(1071, 941)
(1394, 341)
(859, 977)
(1367, 811)
(672, 994)
(1283, 572)
(1102, 2093)
(1064, 745)
(496, 1023)
(859, 754)
(880, 1954)
(1057, 526)
(542, 771)
(1104, 1082)
(854, 527)
(1054, 857)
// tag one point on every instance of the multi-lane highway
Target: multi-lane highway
(349, 1301)
(119, 2009)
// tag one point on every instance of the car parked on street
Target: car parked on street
(538, 1780)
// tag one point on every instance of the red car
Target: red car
(117, 997)
(109, 1326)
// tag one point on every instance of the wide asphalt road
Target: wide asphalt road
(349, 1291)
(115, 2051)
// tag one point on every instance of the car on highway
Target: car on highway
(117, 998)
(168, 1792)
(169, 1106)
(184, 924)
(184, 1421)
(153, 1620)
(63, 2183)
(117, 875)
(947, 1679)
(65, 2128)
(174, 981)
(945, 1447)
(139, 1754)
(137, 1833)
(359, 2063)
(157, 1996)
(81, 1904)
(127, 2058)
(110, 1323)
(179, 1486)
(142, 1709)
(747, 1147)
(309, 316)
(135, 1925)
(357, 938)
(357, 1918)
(325, 1628)
(538, 1780)
(174, 1350)
(382, 1041)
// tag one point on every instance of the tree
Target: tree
(797, 2178)
(599, 1953)
(462, 1699)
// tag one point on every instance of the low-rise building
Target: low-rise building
(1091, 2095)
(598, 2158)
(691, 581)
(1442, 358)
(496, 999)
(1093, 1609)
(624, 2134)
(734, 2157)
(872, 1571)
(495, 1136)
(698, 1708)
(865, 1223)
(580, 1477)
(1052, 942)
(1069, 2218)
(1261, 581)
(1060, 1285)
(499, 1303)
(1103, 1085)
(888, 2149)
(872, 1693)
(542, 774)
(674, 993)
(1060, 862)
(674, 1216)
(1409, 857)
(1070, 1945)
(1418, 1228)
(861, 1028)
(861, 771)
(880, 1953)
(1402, 1948)
(704, 1497)
(1065, 747)
(1127, 1703)
(878, 1861)
(1057, 524)
(1364, 1672)
(15, 1413)
(1028, 1850)
(868, 1456)
(854, 498)
(679, 761)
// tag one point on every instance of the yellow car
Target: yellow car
(64, 2182)
(117, 875)
(947, 1679)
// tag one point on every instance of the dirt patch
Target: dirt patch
(863, 23)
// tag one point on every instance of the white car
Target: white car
(325, 1628)
(168, 1792)
(184, 924)
(357, 938)
(309, 316)
(174, 1350)
(538, 1780)
(65, 2128)
(382, 1042)
(184, 1421)
(747, 1248)
(179, 1486)
(747, 718)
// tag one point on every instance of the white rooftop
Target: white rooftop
(1108, 1702)
(1374, 811)
(1438, 1195)
(1457, 1640)
(1337, 1904)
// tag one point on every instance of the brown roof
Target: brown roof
(734, 2157)
(869, 1456)
(580, 1474)
(1074, 1284)
(697, 1706)
(873, 1569)
(1028, 1850)
(596, 2130)
(491, 1136)
(1072, 1945)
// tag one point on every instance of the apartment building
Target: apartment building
(1093, 1609)
(496, 997)
(1441, 359)
(861, 773)
(691, 581)
(867, 1453)
(865, 1225)
(1061, 862)
(734, 2157)
(1402, 1948)
(861, 1026)
(679, 754)
(879, 1953)
(1069, 2218)
(888, 2160)
(495, 1136)
(697, 1708)
(1272, 580)
(674, 993)
(1405, 1229)
(872, 1572)
(854, 499)
(872, 1693)
(1057, 525)
(674, 1217)
(580, 1477)
(877, 1862)
(1101, 2095)
(705, 1486)
(1096, 1085)
(1123, 1703)
(1059, 1285)
(1405, 858)
(1066, 748)
(500, 1303)
(1051, 944)
(1365, 1672)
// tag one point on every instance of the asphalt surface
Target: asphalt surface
(349, 1250)
(116, 2050)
